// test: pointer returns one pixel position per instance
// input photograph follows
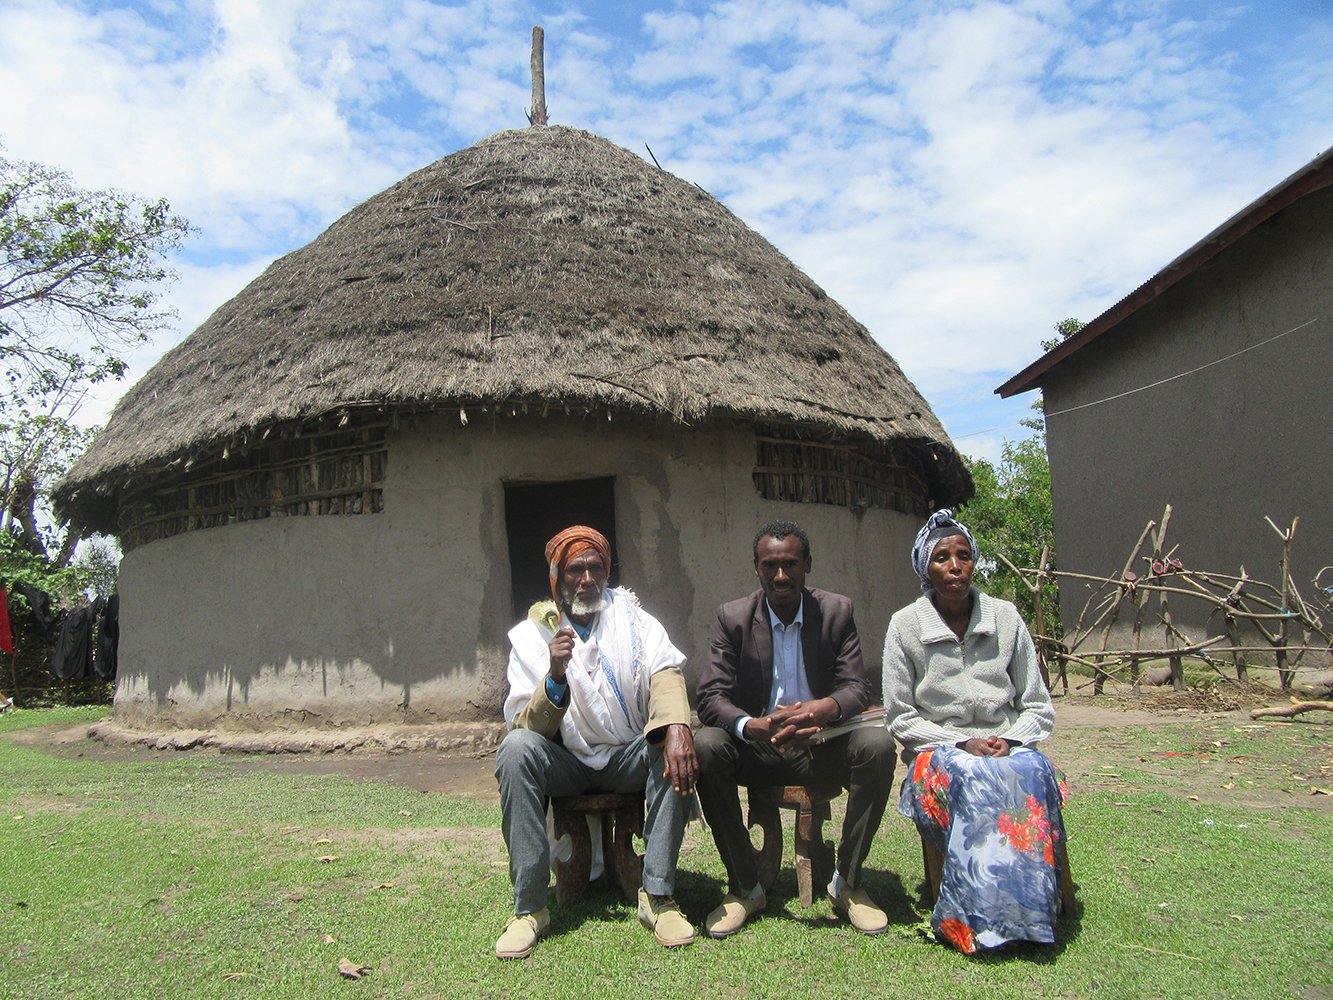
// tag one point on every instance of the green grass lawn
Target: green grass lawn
(194, 876)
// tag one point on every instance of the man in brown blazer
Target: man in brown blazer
(783, 663)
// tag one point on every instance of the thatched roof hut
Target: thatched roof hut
(538, 280)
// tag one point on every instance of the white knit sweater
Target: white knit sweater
(940, 690)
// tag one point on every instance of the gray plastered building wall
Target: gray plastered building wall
(1246, 438)
(401, 616)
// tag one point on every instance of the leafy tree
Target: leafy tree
(98, 566)
(79, 273)
(1011, 514)
(17, 564)
(80, 276)
(1066, 328)
(36, 447)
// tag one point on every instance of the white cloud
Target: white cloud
(268, 124)
(1025, 165)
(959, 176)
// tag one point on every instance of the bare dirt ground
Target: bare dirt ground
(1200, 745)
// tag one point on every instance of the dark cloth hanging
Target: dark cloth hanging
(72, 658)
(108, 639)
(6, 633)
(45, 616)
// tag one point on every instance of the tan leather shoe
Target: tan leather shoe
(522, 933)
(857, 906)
(730, 917)
(662, 916)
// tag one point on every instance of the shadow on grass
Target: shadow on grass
(1067, 931)
(698, 893)
(902, 907)
(905, 910)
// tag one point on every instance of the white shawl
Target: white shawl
(607, 675)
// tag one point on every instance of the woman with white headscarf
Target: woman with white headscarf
(966, 699)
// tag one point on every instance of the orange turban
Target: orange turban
(574, 542)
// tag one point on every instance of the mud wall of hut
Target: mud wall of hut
(401, 616)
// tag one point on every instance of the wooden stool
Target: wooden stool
(814, 855)
(622, 819)
(933, 861)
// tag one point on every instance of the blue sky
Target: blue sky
(960, 176)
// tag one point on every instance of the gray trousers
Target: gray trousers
(861, 762)
(529, 768)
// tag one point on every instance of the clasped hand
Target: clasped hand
(991, 746)
(792, 727)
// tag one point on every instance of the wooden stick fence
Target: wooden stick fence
(1270, 610)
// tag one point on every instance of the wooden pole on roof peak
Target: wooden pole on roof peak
(537, 116)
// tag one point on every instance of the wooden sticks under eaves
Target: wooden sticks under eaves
(846, 474)
(337, 471)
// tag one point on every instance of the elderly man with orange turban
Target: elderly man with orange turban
(596, 703)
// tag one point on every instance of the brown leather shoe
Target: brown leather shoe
(662, 916)
(857, 906)
(731, 916)
(521, 934)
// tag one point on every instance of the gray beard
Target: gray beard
(584, 605)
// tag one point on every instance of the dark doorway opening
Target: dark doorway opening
(535, 514)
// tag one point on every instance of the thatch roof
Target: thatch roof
(543, 265)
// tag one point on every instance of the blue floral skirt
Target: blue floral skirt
(997, 822)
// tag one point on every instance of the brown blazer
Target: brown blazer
(738, 680)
